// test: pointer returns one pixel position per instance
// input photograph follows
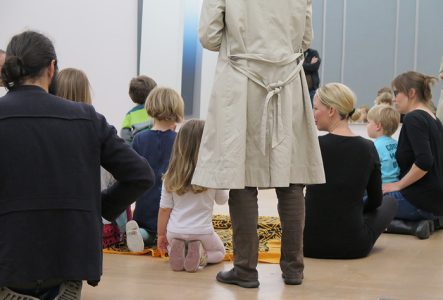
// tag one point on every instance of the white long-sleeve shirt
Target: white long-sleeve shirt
(192, 212)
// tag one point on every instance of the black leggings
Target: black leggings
(341, 247)
(377, 220)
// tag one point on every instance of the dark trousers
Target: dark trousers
(243, 209)
(379, 219)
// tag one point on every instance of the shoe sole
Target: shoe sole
(134, 239)
(423, 231)
(177, 255)
(292, 281)
(7, 294)
(243, 284)
(70, 290)
(192, 260)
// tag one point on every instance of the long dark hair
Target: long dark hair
(27, 55)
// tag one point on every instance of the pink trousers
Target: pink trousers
(212, 244)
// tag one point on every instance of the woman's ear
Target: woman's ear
(412, 93)
(331, 111)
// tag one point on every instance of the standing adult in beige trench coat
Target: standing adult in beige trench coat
(260, 130)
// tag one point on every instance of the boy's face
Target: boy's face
(373, 129)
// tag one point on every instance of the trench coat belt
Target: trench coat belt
(273, 89)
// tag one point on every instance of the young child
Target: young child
(383, 121)
(185, 228)
(166, 107)
(137, 119)
(73, 84)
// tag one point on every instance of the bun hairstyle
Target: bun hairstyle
(384, 98)
(421, 83)
(340, 97)
(27, 55)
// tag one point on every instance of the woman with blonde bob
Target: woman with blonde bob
(339, 224)
(73, 84)
(185, 228)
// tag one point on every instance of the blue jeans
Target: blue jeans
(407, 211)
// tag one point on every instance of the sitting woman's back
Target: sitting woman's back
(334, 219)
(339, 223)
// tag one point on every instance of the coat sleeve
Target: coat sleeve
(311, 68)
(132, 172)
(308, 35)
(212, 24)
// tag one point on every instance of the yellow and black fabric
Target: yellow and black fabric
(269, 233)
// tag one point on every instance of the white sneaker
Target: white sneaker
(7, 294)
(134, 238)
(70, 290)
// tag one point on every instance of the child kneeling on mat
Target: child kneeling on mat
(184, 227)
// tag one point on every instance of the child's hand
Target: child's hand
(162, 243)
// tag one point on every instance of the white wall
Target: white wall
(99, 37)
(162, 42)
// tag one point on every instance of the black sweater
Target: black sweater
(335, 225)
(421, 142)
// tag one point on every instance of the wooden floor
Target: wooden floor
(399, 267)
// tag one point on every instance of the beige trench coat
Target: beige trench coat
(259, 130)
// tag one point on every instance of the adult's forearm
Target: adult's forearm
(414, 174)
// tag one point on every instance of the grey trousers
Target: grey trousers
(243, 209)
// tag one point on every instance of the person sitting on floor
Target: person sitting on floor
(419, 156)
(339, 224)
(185, 227)
(51, 205)
(166, 107)
(137, 119)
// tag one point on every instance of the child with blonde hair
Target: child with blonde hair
(383, 121)
(166, 107)
(384, 98)
(185, 228)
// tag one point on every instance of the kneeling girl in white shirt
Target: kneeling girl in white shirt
(185, 228)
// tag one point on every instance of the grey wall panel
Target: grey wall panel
(333, 38)
(365, 44)
(317, 22)
(430, 39)
(318, 13)
(369, 47)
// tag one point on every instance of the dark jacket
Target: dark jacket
(50, 200)
(311, 70)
